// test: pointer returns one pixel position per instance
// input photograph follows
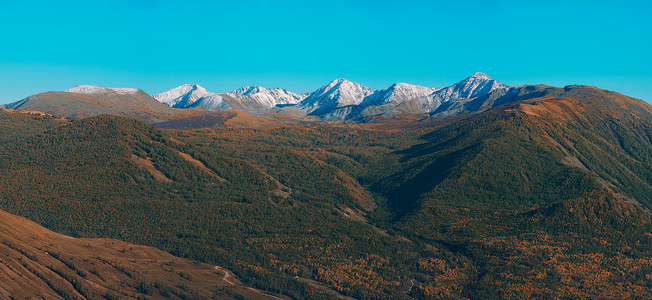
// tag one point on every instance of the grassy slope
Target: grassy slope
(38, 263)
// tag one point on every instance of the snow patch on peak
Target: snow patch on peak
(247, 90)
(182, 96)
(93, 89)
(480, 76)
(401, 87)
(211, 101)
(337, 93)
(399, 92)
(477, 85)
(265, 97)
(340, 80)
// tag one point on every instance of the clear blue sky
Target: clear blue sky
(301, 45)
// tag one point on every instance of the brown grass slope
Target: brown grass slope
(139, 105)
(38, 263)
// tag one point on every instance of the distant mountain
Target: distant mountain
(100, 90)
(212, 101)
(248, 98)
(408, 98)
(397, 93)
(182, 96)
(267, 97)
(340, 101)
(337, 93)
(86, 101)
(477, 85)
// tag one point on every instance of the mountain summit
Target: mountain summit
(265, 97)
(399, 92)
(474, 86)
(337, 93)
(93, 89)
(182, 96)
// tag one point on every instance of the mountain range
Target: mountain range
(340, 100)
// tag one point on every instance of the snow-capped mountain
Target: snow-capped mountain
(475, 93)
(265, 97)
(337, 93)
(476, 85)
(340, 99)
(93, 89)
(398, 93)
(212, 101)
(182, 96)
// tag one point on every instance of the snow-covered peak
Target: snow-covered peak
(265, 97)
(342, 83)
(182, 96)
(337, 93)
(406, 91)
(472, 87)
(247, 90)
(93, 89)
(399, 92)
(211, 101)
(480, 76)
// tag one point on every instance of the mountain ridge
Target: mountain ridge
(182, 96)
(339, 101)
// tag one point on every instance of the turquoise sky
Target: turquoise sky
(301, 45)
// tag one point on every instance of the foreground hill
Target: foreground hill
(547, 195)
(36, 262)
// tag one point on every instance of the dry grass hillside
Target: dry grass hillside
(36, 263)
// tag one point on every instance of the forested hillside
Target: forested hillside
(547, 197)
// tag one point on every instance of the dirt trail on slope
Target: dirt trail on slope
(200, 165)
(148, 164)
